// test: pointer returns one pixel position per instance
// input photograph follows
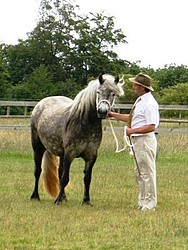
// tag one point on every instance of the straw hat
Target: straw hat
(143, 80)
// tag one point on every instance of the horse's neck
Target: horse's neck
(90, 116)
(85, 115)
(91, 123)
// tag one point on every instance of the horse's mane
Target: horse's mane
(87, 96)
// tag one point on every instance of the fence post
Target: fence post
(8, 110)
(25, 111)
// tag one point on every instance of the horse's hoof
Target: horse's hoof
(60, 200)
(35, 197)
(57, 202)
(88, 203)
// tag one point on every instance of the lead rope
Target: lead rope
(126, 140)
(116, 140)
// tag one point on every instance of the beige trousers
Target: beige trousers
(145, 148)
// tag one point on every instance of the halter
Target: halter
(103, 100)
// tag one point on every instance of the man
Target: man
(143, 119)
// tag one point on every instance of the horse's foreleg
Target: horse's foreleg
(37, 171)
(87, 181)
(64, 167)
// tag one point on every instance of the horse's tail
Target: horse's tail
(50, 179)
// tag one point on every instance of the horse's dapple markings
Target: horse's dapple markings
(63, 129)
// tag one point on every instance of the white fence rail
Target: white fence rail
(25, 104)
(9, 104)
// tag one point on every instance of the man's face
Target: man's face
(138, 89)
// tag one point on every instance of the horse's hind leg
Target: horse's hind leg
(64, 168)
(38, 154)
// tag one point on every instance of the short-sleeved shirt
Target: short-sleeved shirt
(146, 111)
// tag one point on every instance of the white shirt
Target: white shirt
(146, 111)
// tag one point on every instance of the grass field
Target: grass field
(114, 221)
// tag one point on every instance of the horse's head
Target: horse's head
(109, 88)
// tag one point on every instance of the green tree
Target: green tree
(36, 86)
(171, 75)
(177, 94)
(68, 88)
(93, 47)
(74, 45)
(20, 61)
(4, 74)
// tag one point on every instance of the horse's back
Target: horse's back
(48, 120)
(49, 106)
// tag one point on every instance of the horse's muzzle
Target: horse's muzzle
(102, 115)
(103, 110)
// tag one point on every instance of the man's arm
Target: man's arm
(142, 130)
(118, 116)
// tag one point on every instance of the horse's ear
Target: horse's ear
(116, 80)
(101, 80)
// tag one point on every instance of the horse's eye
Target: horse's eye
(113, 94)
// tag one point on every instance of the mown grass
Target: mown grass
(113, 222)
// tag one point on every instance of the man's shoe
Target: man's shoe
(144, 209)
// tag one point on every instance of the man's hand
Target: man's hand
(129, 131)
(110, 114)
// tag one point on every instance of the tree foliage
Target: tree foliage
(4, 74)
(171, 75)
(177, 94)
(66, 49)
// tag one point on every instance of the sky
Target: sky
(156, 30)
